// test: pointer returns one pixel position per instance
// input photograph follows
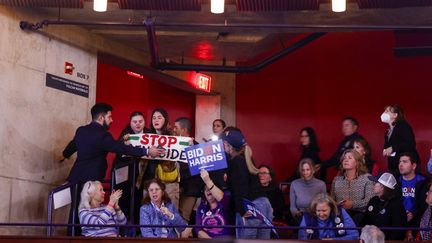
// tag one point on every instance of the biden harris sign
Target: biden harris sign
(209, 156)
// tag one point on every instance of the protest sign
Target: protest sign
(174, 146)
(256, 213)
(209, 156)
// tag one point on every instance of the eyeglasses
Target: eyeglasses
(263, 173)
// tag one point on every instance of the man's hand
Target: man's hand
(387, 152)
(61, 158)
(155, 152)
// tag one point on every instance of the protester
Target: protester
(324, 213)
(134, 184)
(92, 211)
(157, 209)
(384, 210)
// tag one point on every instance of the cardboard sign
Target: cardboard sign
(256, 213)
(174, 146)
(209, 156)
(62, 198)
(121, 174)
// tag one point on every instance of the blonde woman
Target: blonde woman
(92, 211)
(352, 188)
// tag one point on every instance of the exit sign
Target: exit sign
(203, 82)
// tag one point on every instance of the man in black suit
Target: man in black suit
(92, 142)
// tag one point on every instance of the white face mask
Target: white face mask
(385, 117)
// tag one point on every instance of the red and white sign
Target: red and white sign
(69, 67)
(203, 82)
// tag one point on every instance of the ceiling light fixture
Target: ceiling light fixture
(217, 6)
(100, 5)
(338, 6)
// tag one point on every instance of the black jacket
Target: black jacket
(93, 142)
(389, 213)
(242, 184)
(401, 140)
(347, 143)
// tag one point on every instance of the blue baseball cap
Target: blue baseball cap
(234, 138)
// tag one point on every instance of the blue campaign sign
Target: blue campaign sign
(209, 156)
(256, 213)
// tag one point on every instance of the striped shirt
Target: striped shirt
(100, 216)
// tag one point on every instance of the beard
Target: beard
(105, 124)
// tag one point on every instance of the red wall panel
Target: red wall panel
(127, 94)
(338, 75)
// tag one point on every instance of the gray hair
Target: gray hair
(87, 193)
(372, 234)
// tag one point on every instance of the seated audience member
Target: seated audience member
(309, 149)
(363, 148)
(426, 219)
(386, 208)
(303, 190)
(350, 126)
(324, 213)
(414, 187)
(266, 178)
(243, 184)
(371, 234)
(214, 210)
(351, 188)
(157, 209)
(92, 211)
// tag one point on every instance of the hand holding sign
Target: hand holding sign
(204, 175)
(172, 146)
(155, 152)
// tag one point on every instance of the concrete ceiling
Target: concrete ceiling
(213, 44)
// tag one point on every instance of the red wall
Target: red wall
(337, 75)
(127, 94)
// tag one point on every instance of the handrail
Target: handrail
(50, 203)
(204, 226)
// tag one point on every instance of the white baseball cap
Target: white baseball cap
(386, 179)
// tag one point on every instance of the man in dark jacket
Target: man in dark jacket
(92, 143)
(349, 130)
